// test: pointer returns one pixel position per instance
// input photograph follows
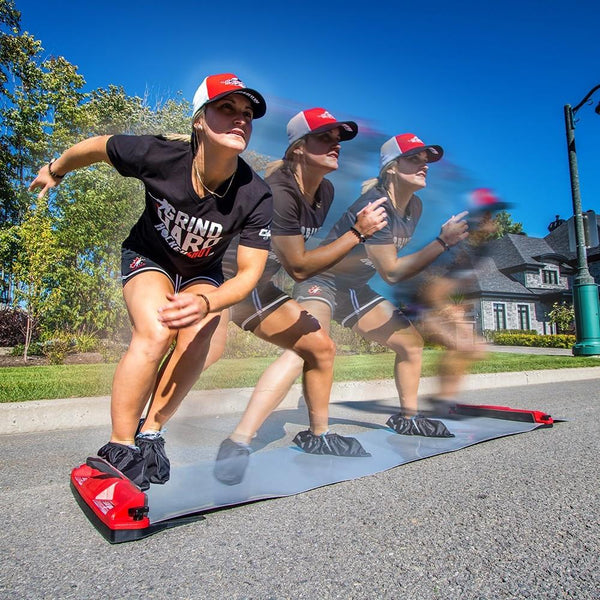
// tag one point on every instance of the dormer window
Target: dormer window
(550, 276)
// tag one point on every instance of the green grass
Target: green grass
(75, 381)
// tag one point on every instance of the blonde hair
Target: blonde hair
(289, 161)
(386, 175)
(177, 137)
(186, 138)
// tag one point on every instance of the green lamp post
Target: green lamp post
(585, 290)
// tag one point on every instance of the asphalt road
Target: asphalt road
(515, 517)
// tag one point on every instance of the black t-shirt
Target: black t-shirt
(179, 230)
(292, 215)
(356, 268)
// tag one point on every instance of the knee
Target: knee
(320, 350)
(408, 346)
(152, 344)
(197, 340)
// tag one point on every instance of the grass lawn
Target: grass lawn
(75, 381)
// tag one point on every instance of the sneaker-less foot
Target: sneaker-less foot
(158, 467)
(128, 460)
(329, 443)
(418, 425)
(231, 463)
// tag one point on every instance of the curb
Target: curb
(74, 413)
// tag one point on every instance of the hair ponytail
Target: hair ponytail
(288, 161)
(274, 166)
(368, 184)
(177, 137)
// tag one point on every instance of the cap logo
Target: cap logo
(326, 115)
(234, 81)
(415, 140)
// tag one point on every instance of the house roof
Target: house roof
(514, 251)
(488, 279)
(559, 241)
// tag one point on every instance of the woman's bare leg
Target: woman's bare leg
(183, 366)
(384, 325)
(309, 351)
(136, 372)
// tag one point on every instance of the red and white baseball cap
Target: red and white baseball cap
(482, 200)
(318, 120)
(407, 144)
(217, 86)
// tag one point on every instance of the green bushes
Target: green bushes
(35, 349)
(348, 342)
(57, 345)
(57, 348)
(243, 344)
(530, 339)
(111, 350)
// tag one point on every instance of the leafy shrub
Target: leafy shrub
(348, 342)
(506, 338)
(111, 350)
(242, 344)
(491, 334)
(35, 349)
(86, 342)
(58, 346)
(563, 316)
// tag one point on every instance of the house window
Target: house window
(550, 276)
(523, 313)
(499, 316)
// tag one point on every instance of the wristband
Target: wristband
(52, 173)
(206, 301)
(362, 239)
(443, 243)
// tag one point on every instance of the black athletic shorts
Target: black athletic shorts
(262, 301)
(347, 304)
(133, 264)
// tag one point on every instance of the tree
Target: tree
(37, 97)
(562, 316)
(9, 15)
(60, 258)
(39, 254)
(506, 225)
(94, 211)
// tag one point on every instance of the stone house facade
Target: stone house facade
(520, 279)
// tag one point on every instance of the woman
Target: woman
(302, 197)
(439, 298)
(198, 197)
(342, 292)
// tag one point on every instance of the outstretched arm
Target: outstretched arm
(301, 263)
(394, 268)
(184, 309)
(80, 155)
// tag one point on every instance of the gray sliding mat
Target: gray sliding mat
(277, 467)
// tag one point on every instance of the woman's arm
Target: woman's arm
(301, 263)
(186, 308)
(80, 155)
(394, 268)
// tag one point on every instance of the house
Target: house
(521, 277)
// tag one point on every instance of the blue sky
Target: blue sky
(488, 83)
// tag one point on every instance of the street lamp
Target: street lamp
(585, 290)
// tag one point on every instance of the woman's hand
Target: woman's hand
(455, 229)
(182, 310)
(372, 218)
(44, 181)
(82, 154)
